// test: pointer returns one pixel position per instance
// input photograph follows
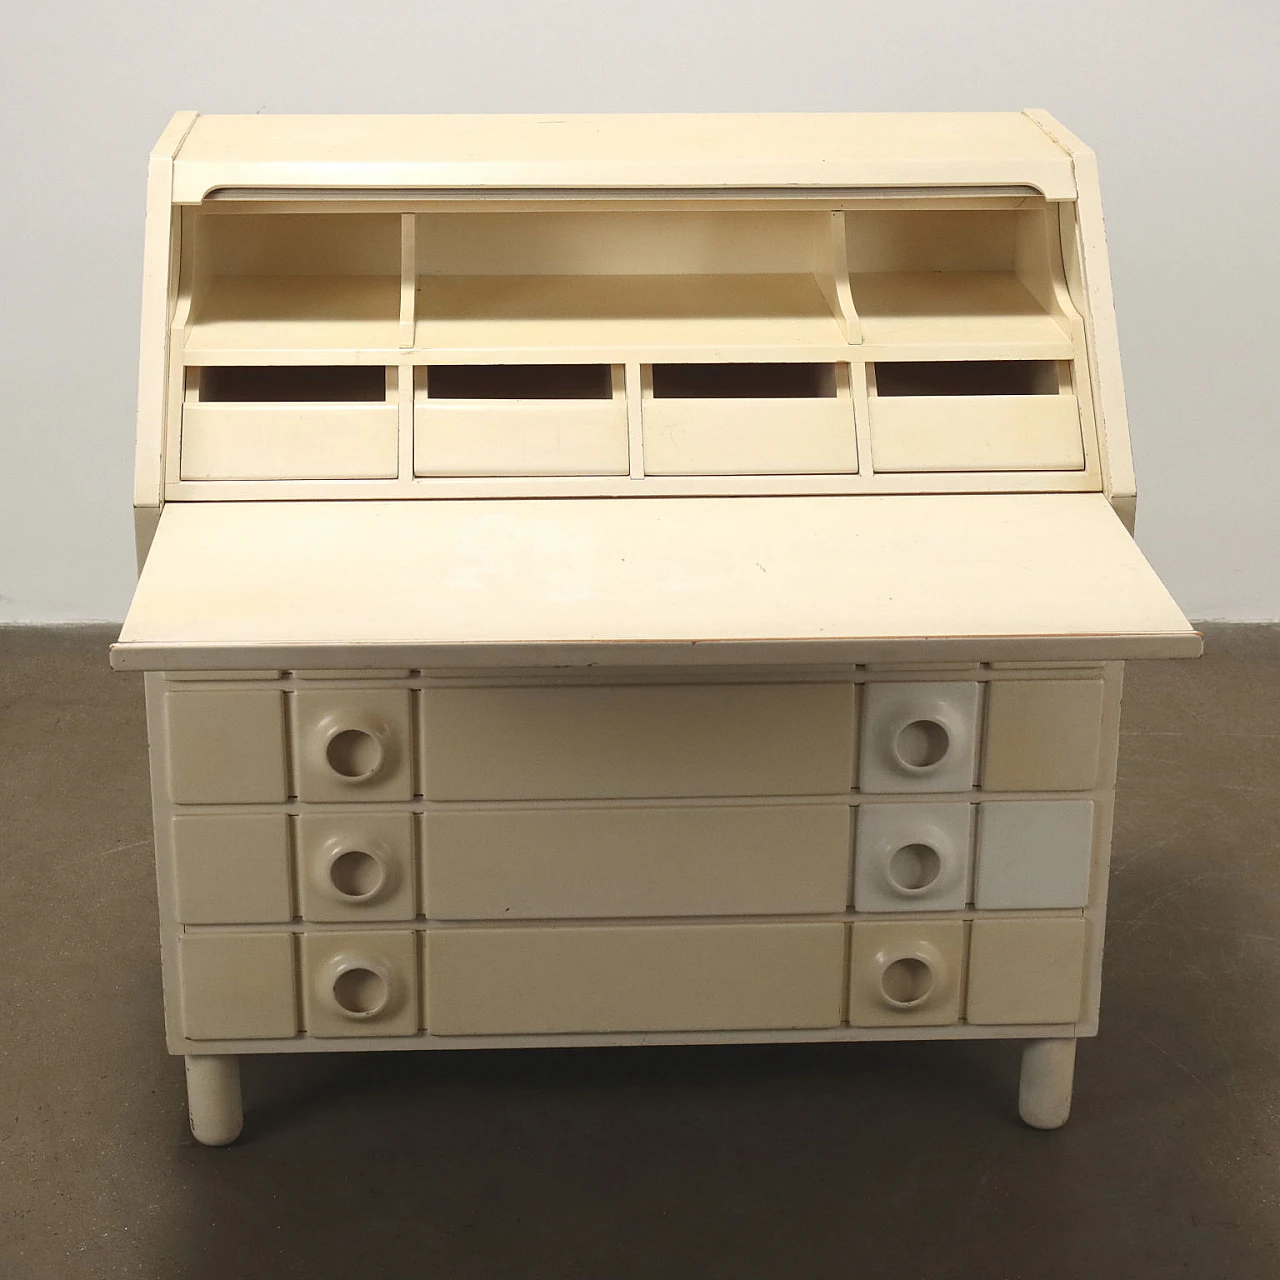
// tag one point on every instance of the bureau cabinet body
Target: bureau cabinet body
(627, 580)
(657, 855)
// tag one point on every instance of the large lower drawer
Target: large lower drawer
(485, 981)
(621, 741)
(494, 864)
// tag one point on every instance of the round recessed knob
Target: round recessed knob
(914, 868)
(906, 982)
(355, 755)
(361, 987)
(357, 875)
(921, 744)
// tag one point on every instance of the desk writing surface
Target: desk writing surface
(503, 582)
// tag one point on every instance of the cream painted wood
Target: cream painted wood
(1042, 735)
(919, 737)
(1045, 1082)
(289, 441)
(213, 1098)
(493, 313)
(1026, 971)
(592, 153)
(908, 973)
(912, 857)
(352, 744)
(907, 310)
(226, 746)
(548, 863)
(976, 433)
(732, 436)
(355, 865)
(500, 437)
(638, 978)
(360, 984)
(232, 868)
(637, 740)
(1033, 854)
(237, 986)
(632, 583)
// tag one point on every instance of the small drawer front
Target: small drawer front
(1033, 854)
(919, 737)
(237, 986)
(226, 746)
(976, 433)
(360, 984)
(232, 868)
(520, 437)
(289, 441)
(632, 741)
(633, 978)
(908, 974)
(356, 866)
(1043, 735)
(660, 861)
(1026, 971)
(912, 857)
(353, 744)
(749, 436)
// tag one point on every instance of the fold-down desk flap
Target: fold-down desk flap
(506, 583)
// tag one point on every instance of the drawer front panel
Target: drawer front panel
(237, 986)
(232, 868)
(919, 737)
(289, 442)
(908, 974)
(976, 433)
(355, 866)
(360, 984)
(749, 437)
(1028, 971)
(1033, 853)
(722, 860)
(226, 746)
(353, 744)
(680, 978)
(520, 438)
(912, 857)
(633, 741)
(1043, 735)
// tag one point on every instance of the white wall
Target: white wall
(1179, 99)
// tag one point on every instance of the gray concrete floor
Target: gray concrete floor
(813, 1161)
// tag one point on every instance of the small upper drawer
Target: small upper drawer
(974, 415)
(289, 423)
(520, 420)
(748, 419)
(610, 741)
(1043, 735)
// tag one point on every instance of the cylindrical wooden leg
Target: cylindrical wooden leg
(213, 1098)
(1044, 1089)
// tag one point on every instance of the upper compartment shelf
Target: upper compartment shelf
(293, 282)
(979, 280)
(530, 311)
(625, 279)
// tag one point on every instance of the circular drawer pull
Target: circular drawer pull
(355, 755)
(357, 875)
(914, 868)
(361, 987)
(907, 981)
(921, 744)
